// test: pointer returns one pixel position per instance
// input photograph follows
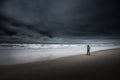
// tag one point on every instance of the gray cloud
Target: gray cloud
(39, 20)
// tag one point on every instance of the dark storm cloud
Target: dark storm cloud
(36, 19)
(107, 16)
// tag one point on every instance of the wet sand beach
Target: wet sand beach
(101, 65)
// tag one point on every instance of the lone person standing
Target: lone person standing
(88, 50)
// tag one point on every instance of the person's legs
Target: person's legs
(89, 53)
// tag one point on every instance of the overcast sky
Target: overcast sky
(41, 20)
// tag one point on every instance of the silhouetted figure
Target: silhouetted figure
(88, 50)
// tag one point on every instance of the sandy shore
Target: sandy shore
(101, 65)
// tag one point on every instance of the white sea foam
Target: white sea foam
(24, 53)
